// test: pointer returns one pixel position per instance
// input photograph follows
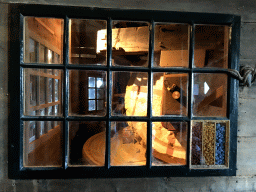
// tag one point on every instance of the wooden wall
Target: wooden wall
(246, 151)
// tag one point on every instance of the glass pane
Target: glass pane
(91, 105)
(43, 37)
(210, 94)
(100, 104)
(33, 46)
(91, 93)
(171, 45)
(169, 143)
(42, 89)
(50, 56)
(170, 94)
(56, 84)
(39, 92)
(211, 46)
(87, 143)
(50, 111)
(130, 43)
(42, 148)
(41, 55)
(91, 81)
(128, 143)
(100, 83)
(100, 93)
(84, 92)
(87, 42)
(130, 90)
(50, 92)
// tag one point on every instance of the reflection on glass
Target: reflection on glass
(211, 46)
(42, 143)
(210, 94)
(43, 40)
(169, 143)
(87, 43)
(50, 83)
(91, 94)
(170, 92)
(130, 43)
(87, 94)
(100, 82)
(42, 88)
(91, 105)
(91, 82)
(128, 143)
(171, 45)
(56, 90)
(87, 143)
(130, 93)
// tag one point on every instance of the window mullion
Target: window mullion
(65, 91)
(191, 64)
(150, 87)
(190, 87)
(109, 92)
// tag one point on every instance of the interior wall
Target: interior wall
(246, 152)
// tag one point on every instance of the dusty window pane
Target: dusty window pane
(169, 143)
(128, 143)
(43, 40)
(87, 43)
(87, 93)
(99, 104)
(211, 46)
(170, 94)
(50, 94)
(42, 90)
(42, 143)
(91, 93)
(50, 111)
(100, 93)
(130, 43)
(171, 47)
(210, 95)
(33, 46)
(87, 143)
(129, 93)
(100, 83)
(92, 105)
(91, 82)
(39, 93)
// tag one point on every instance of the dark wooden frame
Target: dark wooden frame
(16, 169)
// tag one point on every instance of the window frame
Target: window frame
(16, 170)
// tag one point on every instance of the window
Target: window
(121, 93)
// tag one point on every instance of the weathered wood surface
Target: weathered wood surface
(225, 184)
(238, 7)
(248, 41)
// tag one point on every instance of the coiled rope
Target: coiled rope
(246, 76)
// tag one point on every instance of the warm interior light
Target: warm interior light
(49, 56)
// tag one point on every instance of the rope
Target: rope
(246, 76)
